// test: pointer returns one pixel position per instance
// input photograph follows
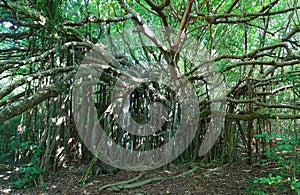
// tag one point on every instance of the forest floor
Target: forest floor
(230, 179)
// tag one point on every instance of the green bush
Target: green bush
(31, 171)
(285, 176)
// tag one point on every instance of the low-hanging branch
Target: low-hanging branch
(98, 20)
(39, 19)
(4, 92)
(252, 116)
(51, 91)
(245, 17)
(246, 59)
(8, 64)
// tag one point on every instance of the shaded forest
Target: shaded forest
(244, 64)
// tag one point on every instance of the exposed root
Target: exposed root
(194, 169)
(129, 185)
(119, 185)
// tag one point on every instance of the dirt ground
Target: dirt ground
(230, 179)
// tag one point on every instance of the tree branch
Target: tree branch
(40, 96)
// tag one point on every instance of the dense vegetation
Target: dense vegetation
(254, 44)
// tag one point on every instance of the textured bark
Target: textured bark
(40, 96)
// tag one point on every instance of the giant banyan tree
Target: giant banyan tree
(253, 45)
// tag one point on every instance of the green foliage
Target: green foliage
(285, 176)
(12, 140)
(30, 171)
